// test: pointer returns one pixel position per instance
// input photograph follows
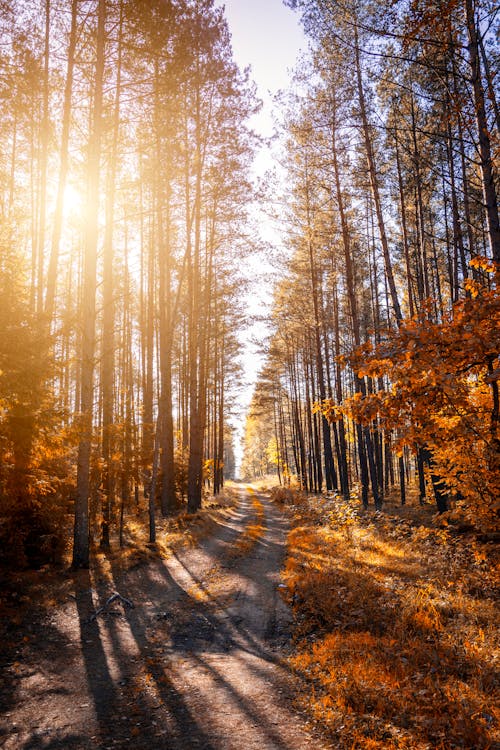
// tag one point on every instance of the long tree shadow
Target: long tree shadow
(99, 680)
(37, 657)
(145, 646)
(199, 633)
(221, 616)
(159, 706)
(246, 705)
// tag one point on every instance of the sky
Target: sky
(267, 36)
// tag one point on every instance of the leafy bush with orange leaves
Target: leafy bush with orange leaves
(285, 495)
(396, 632)
(35, 495)
(442, 394)
(36, 461)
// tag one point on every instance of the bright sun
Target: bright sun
(73, 201)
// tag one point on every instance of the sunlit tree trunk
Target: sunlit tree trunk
(108, 304)
(488, 179)
(165, 415)
(63, 170)
(330, 477)
(44, 157)
(196, 351)
(364, 443)
(81, 528)
(374, 182)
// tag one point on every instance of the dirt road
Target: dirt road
(195, 664)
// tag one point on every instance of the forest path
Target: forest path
(195, 664)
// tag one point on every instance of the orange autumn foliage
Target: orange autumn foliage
(441, 392)
(396, 627)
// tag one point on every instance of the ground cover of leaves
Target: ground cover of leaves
(396, 631)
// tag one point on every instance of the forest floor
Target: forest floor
(396, 624)
(198, 661)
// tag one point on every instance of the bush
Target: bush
(287, 495)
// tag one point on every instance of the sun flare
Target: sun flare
(74, 202)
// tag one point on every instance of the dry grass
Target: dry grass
(286, 495)
(181, 530)
(396, 629)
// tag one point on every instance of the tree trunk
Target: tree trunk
(63, 169)
(81, 528)
(108, 315)
(488, 179)
(375, 185)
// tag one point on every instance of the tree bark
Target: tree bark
(488, 180)
(81, 538)
(63, 170)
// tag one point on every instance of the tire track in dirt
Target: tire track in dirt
(196, 663)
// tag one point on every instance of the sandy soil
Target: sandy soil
(196, 663)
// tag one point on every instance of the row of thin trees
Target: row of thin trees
(392, 154)
(124, 190)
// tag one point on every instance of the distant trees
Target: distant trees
(392, 158)
(124, 172)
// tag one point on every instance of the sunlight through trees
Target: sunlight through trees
(125, 184)
(125, 203)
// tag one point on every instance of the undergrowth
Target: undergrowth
(51, 585)
(396, 633)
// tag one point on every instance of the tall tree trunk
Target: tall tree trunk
(330, 477)
(196, 350)
(108, 314)
(404, 228)
(488, 179)
(63, 170)
(81, 528)
(44, 156)
(365, 448)
(343, 460)
(375, 184)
